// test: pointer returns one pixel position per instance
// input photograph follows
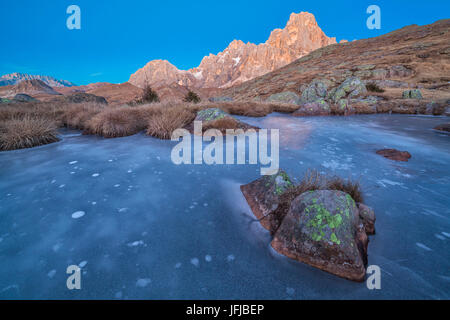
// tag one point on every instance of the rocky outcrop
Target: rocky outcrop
(412, 94)
(33, 87)
(317, 108)
(394, 154)
(241, 61)
(21, 97)
(81, 97)
(323, 228)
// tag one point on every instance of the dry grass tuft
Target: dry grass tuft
(117, 122)
(27, 132)
(222, 124)
(313, 180)
(76, 116)
(164, 122)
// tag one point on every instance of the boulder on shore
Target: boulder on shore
(412, 94)
(317, 108)
(394, 154)
(323, 228)
(263, 197)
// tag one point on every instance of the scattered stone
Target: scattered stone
(285, 97)
(220, 99)
(412, 94)
(316, 90)
(394, 154)
(317, 108)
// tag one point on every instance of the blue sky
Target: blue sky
(117, 37)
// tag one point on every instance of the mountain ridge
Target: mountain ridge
(241, 61)
(17, 77)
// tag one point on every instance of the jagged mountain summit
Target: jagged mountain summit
(16, 77)
(241, 61)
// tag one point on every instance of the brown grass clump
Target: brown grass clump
(222, 124)
(76, 116)
(117, 122)
(164, 122)
(27, 132)
(313, 180)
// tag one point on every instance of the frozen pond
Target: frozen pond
(141, 227)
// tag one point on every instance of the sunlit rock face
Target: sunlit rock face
(241, 61)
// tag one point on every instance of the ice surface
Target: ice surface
(38, 234)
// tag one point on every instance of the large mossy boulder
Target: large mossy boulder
(285, 97)
(412, 94)
(316, 90)
(263, 197)
(211, 114)
(322, 229)
(352, 87)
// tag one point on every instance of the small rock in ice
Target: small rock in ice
(78, 214)
(82, 264)
(230, 258)
(142, 283)
(96, 175)
(51, 273)
(135, 243)
(290, 291)
(195, 262)
(421, 245)
(439, 236)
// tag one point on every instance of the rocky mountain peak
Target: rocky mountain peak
(241, 61)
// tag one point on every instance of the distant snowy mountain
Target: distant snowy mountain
(15, 78)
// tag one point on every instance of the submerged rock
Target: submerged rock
(394, 154)
(263, 197)
(285, 97)
(211, 114)
(443, 127)
(322, 229)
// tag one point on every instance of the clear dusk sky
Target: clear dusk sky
(117, 37)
